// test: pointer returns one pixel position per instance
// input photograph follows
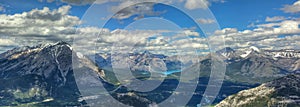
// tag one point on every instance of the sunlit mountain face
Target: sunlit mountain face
(223, 53)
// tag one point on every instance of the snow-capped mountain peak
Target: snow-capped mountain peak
(245, 54)
(283, 53)
(226, 52)
(250, 51)
(51, 61)
(253, 48)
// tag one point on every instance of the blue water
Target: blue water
(171, 72)
(164, 73)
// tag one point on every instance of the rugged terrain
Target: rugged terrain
(282, 92)
(258, 66)
(44, 75)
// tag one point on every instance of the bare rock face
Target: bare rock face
(255, 65)
(280, 92)
(51, 75)
(38, 73)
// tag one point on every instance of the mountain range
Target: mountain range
(282, 92)
(258, 66)
(43, 74)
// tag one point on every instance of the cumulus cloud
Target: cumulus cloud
(124, 9)
(121, 2)
(2, 8)
(153, 40)
(219, 1)
(226, 31)
(51, 25)
(128, 8)
(139, 9)
(138, 40)
(83, 2)
(191, 33)
(196, 4)
(80, 2)
(265, 36)
(48, 26)
(251, 25)
(189, 4)
(294, 8)
(42, 22)
(6, 42)
(38, 26)
(206, 21)
(275, 18)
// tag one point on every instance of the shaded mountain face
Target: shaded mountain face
(52, 62)
(251, 66)
(43, 72)
(43, 76)
(283, 53)
(135, 60)
(141, 64)
(284, 92)
(227, 53)
(258, 66)
(230, 53)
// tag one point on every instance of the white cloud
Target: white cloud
(191, 33)
(80, 2)
(219, 1)
(140, 9)
(251, 25)
(6, 42)
(295, 8)
(38, 26)
(138, 37)
(160, 43)
(275, 18)
(265, 36)
(122, 3)
(189, 4)
(226, 31)
(42, 22)
(127, 8)
(206, 21)
(48, 26)
(2, 8)
(196, 4)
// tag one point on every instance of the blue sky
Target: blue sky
(241, 23)
(230, 14)
(241, 13)
(19, 6)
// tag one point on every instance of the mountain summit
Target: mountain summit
(40, 73)
(226, 52)
(284, 92)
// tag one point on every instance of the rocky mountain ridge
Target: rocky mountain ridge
(283, 92)
(39, 73)
(48, 74)
(275, 54)
(258, 65)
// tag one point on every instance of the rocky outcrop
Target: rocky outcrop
(283, 92)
